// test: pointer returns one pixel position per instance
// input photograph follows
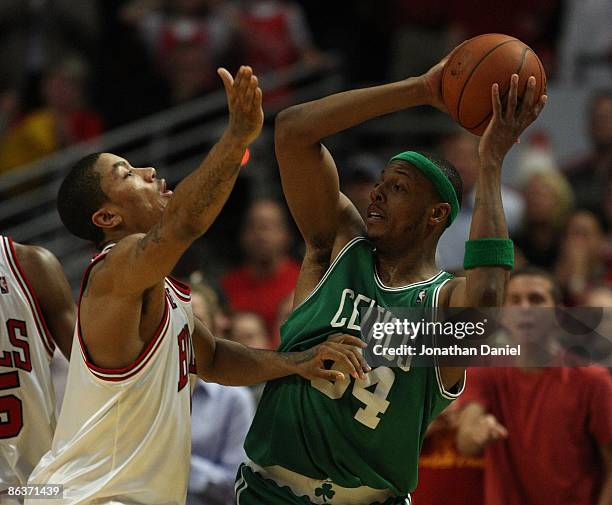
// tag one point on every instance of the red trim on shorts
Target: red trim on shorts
(119, 374)
(27, 289)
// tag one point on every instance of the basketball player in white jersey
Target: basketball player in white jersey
(36, 313)
(123, 435)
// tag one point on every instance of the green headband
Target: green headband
(435, 176)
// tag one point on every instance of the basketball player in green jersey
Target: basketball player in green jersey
(357, 441)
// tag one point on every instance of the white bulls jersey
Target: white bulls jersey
(124, 436)
(27, 401)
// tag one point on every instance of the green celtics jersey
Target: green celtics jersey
(354, 432)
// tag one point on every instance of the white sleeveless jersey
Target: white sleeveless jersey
(27, 401)
(124, 435)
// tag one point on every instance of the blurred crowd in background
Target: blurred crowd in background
(71, 71)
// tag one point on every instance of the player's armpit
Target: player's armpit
(317, 260)
(52, 290)
(453, 293)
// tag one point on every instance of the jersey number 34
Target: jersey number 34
(375, 402)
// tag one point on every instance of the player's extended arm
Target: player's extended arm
(233, 364)
(477, 429)
(142, 261)
(484, 286)
(52, 290)
(605, 498)
(327, 219)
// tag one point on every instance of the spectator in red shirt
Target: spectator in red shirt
(268, 275)
(546, 432)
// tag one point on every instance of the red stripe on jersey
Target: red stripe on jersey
(181, 288)
(178, 293)
(144, 357)
(118, 374)
(30, 295)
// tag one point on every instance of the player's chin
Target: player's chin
(163, 201)
(374, 230)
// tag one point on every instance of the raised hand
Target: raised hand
(432, 80)
(343, 349)
(488, 429)
(244, 102)
(507, 125)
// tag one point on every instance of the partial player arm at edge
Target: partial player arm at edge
(47, 278)
(233, 364)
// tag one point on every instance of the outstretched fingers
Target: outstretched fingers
(228, 81)
(512, 98)
(249, 94)
(528, 99)
(496, 102)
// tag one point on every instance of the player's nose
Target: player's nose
(377, 195)
(149, 174)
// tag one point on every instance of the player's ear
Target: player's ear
(106, 218)
(439, 213)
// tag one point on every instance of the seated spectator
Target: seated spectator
(206, 306)
(221, 417)
(187, 39)
(65, 118)
(591, 174)
(267, 275)
(582, 261)
(249, 329)
(549, 203)
(273, 35)
(443, 471)
(600, 348)
(461, 149)
(546, 433)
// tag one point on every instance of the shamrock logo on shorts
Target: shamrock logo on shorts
(325, 491)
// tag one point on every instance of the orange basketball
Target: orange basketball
(474, 66)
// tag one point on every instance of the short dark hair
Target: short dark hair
(533, 271)
(79, 196)
(449, 170)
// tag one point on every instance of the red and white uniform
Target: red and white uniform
(124, 435)
(27, 401)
